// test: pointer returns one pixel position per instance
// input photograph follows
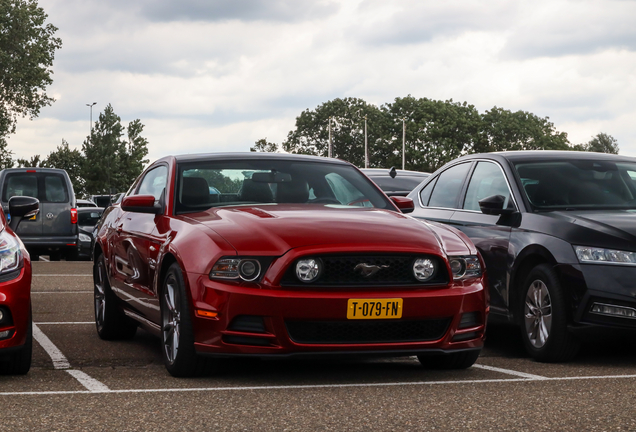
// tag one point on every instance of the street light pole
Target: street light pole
(366, 146)
(91, 123)
(330, 141)
(403, 143)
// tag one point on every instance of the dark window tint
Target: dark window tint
(425, 194)
(88, 218)
(448, 187)
(20, 185)
(487, 180)
(400, 183)
(54, 189)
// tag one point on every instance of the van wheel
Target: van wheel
(544, 323)
(110, 320)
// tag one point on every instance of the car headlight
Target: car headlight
(594, 255)
(83, 237)
(10, 254)
(464, 267)
(246, 269)
(423, 269)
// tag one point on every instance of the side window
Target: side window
(154, 182)
(487, 180)
(448, 186)
(55, 189)
(425, 194)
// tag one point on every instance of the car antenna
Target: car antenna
(392, 172)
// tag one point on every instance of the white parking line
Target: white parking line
(60, 362)
(510, 372)
(320, 386)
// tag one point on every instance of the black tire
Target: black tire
(110, 320)
(55, 255)
(177, 335)
(458, 360)
(19, 362)
(544, 318)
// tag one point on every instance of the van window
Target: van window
(20, 185)
(54, 189)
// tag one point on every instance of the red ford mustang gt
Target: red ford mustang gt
(16, 339)
(282, 255)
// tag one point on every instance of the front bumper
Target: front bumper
(15, 302)
(591, 284)
(297, 322)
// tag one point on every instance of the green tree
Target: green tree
(35, 162)
(506, 130)
(311, 135)
(111, 163)
(27, 48)
(436, 131)
(602, 143)
(71, 161)
(262, 145)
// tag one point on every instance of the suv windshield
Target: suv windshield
(579, 184)
(205, 184)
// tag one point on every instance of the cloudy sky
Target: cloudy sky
(216, 75)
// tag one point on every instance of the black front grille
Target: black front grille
(343, 270)
(372, 331)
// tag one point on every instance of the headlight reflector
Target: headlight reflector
(464, 267)
(423, 269)
(308, 270)
(587, 254)
(10, 255)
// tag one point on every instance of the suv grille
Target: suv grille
(339, 270)
(349, 332)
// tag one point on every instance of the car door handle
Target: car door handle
(119, 228)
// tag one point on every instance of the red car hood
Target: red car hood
(275, 229)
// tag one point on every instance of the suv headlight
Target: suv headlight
(464, 267)
(10, 254)
(593, 255)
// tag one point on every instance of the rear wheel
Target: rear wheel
(543, 311)
(110, 320)
(19, 362)
(458, 360)
(177, 335)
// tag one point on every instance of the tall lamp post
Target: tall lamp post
(366, 146)
(91, 123)
(330, 141)
(403, 143)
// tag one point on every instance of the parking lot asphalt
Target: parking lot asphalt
(79, 382)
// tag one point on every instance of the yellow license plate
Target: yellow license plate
(374, 308)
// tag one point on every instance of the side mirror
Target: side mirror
(21, 207)
(405, 204)
(141, 204)
(494, 205)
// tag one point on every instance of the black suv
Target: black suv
(53, 231)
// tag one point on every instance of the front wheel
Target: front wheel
(544, 327)
(177, 335)
(458, 360)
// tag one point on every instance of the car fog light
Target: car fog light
(249, 270)
(308, 270)
(612, 310)
(423, 269)
(5, 334)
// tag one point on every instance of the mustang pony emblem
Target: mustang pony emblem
(368, 270)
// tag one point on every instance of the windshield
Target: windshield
(204, 184)
(579, 184)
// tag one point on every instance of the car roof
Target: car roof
(25, 169)
(520, 155)
(253, 155)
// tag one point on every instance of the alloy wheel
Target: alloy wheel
(538, 314)
(171, 320)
